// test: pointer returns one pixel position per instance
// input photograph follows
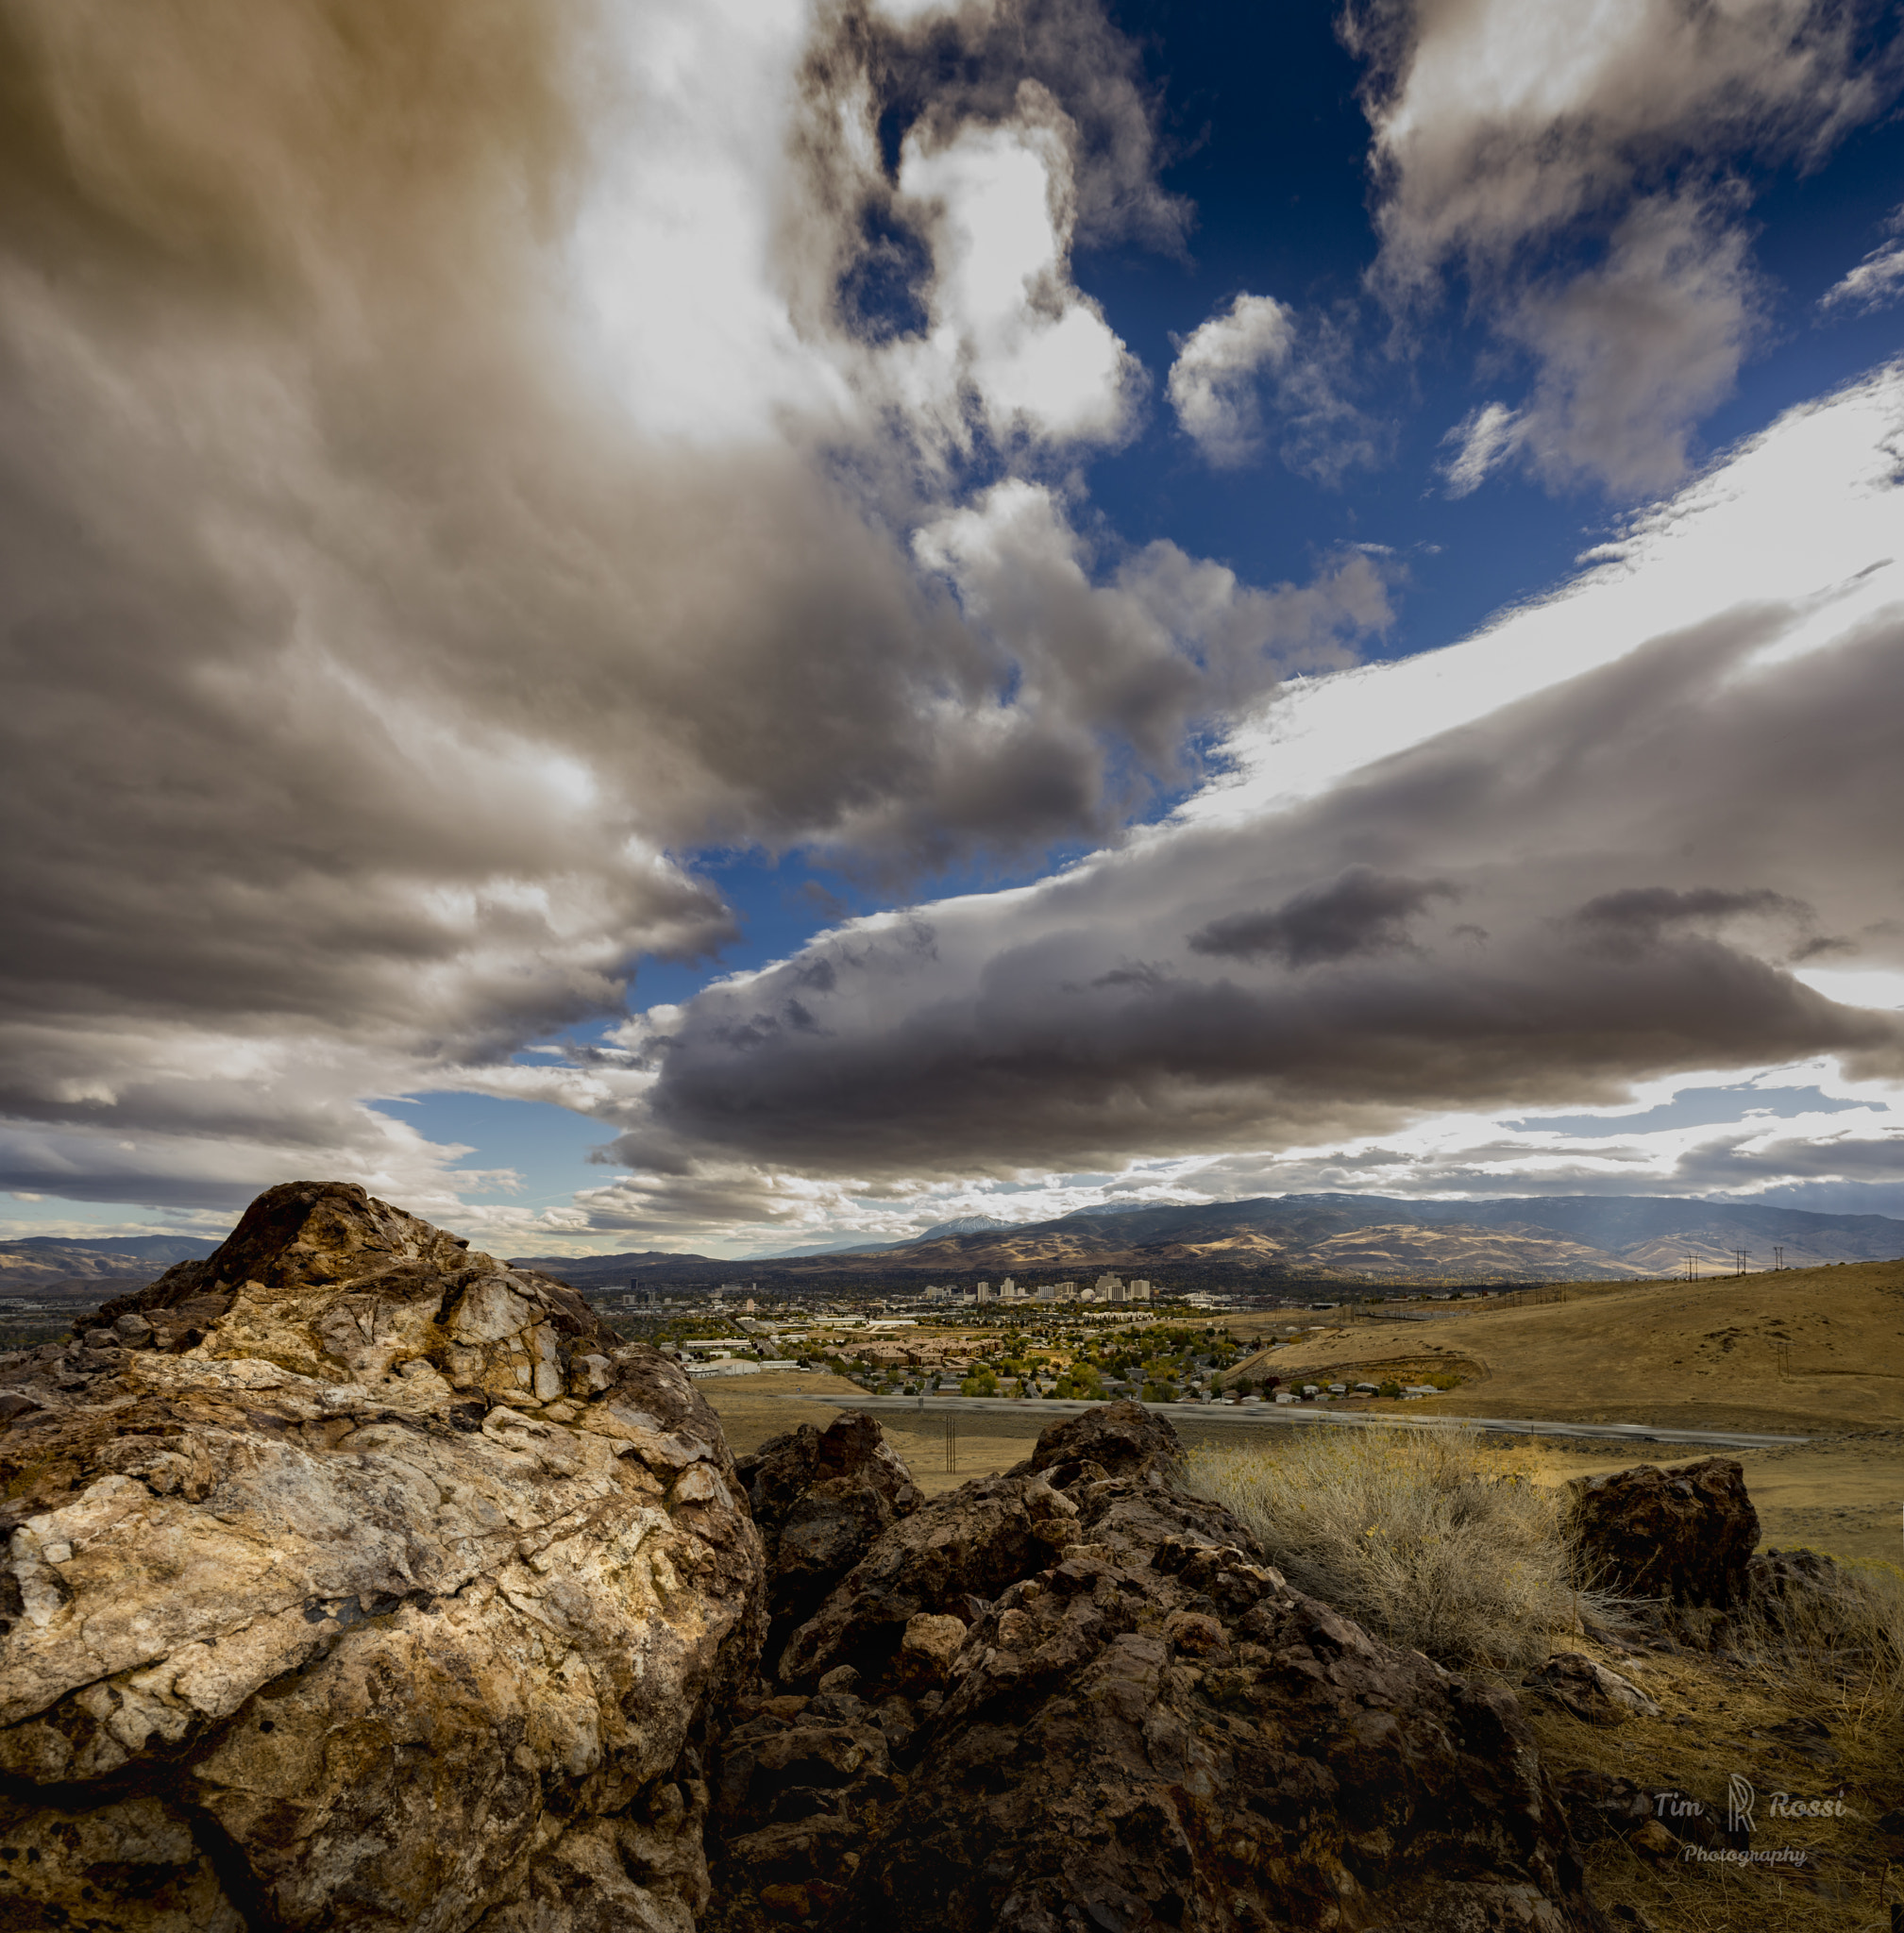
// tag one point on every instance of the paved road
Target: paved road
(1256, 1414)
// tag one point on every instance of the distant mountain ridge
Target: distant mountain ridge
(1332, 1237)
(44, 1258)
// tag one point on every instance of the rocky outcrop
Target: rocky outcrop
(820, 1497)
(356, 1581)
(1073, 1697)
(1589, 1689)
(1684, 1535)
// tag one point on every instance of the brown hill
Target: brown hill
(1394, 1250)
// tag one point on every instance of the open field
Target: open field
(1816, 1352)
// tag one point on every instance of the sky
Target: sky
(734, 625)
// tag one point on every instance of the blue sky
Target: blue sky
(782, 643)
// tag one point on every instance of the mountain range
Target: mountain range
(1294, 1238)
(1333, 1236)
(91, 1269)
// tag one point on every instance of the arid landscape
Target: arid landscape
(1815, 1353)
(954, 967)
(1342, 1239)
(334, 1505)
(1812, 1353)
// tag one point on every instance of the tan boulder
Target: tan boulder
(378, 1586)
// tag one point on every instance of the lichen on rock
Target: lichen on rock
(355, 1579)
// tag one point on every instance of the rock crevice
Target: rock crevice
(354, 1579)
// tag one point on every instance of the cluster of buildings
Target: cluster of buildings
(1108, 1288)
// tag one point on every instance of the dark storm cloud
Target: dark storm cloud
(369, 652)
(1362, 912)
(1635, 917)
(1741, 790)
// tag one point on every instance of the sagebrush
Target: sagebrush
(1432, 1539)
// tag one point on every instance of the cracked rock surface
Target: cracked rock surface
(1074, 1697)
(355, 1580)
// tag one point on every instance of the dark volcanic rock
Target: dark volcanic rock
(401, 1599)
(1685, 1534)
(1120, 1438)
(1098, 1704)
(820, 1497)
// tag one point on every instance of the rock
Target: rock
(819, 1498)
(133, 1331)
(1684, 1534)
(1120, 1438)
(312, 1616)
(1793, 1590)
(930, 1642)
(1589, 1691)
(1600, 1806)
(1131, 1722)
(971, 1543)
(1653, 1841)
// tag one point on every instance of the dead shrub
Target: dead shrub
(1431, 1539)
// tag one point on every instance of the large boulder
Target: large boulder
(820, 1497)
(1684, 1535)
(358, 1581)
(1120, 1438)
(1094, 1703)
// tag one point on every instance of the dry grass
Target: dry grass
(1443, 1542)
(1434, 1539)
(1835, 1649)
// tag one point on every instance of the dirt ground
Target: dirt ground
(752, 1408)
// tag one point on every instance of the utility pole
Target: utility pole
(1739, 1255)
(1778, 1256)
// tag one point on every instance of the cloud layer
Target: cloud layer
(456, 459)
(1549, 901)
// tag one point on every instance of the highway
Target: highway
(1261, 1415)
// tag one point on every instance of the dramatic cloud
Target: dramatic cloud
(1256, 356)
(1545, 899)
(1580, 166)
(1362, 912)
(470, 472)
(456, 460)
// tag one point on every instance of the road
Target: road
(1256, 1415)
